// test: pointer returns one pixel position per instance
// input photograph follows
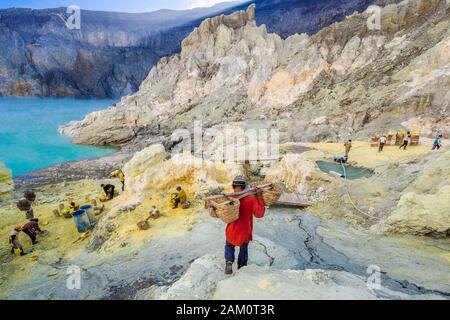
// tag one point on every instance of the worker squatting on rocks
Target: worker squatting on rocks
(121, 176)
(73, 207)
(14, 241)
(178, 198)
(240, 232)
(109, 190)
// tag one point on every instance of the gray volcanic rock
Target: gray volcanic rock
(344, 80)
(287, 17)
(113, 52)
(6, 182)
(108, 57)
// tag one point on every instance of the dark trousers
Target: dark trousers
(32, 235)
(243, 254)
(436, 146)
(110, 192)
(123, 185)
(176, 202)
(404, 145)
(380, 148)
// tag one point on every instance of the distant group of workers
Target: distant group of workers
(178, 198)
(32, 228)
(406, 140)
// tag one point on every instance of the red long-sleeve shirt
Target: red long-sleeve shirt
(241, 230)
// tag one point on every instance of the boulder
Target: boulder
(6, 182)
(424, 206)
(295, 171)
(148, 172)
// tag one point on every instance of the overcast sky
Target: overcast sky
(112, 5)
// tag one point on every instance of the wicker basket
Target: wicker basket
(226, 209)
(24, 205)
(271, 194)
(143, 225)
(29, 195)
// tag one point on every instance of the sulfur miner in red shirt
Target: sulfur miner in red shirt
(239, 232)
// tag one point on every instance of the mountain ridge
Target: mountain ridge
(352, 79)
(40, 57)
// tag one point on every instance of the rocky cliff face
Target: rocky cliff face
(287, 17)
(113, 52)
(108, 57)
(344, 80)
(6, 183)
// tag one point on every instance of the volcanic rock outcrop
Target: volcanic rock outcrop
(353, 78)
(6, 183)
(113, 52)
(423, 208)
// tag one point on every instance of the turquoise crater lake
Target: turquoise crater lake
(29, 138)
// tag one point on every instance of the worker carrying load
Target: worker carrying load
(14, 241)
(382, 143)
(32, 229)
(348, 146)
(178, 198)
(437, 144)
(109, 191)
(240, 232)
(406, 141)
(121, 176)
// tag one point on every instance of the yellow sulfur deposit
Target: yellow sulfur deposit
(6, 183)
(57, 245)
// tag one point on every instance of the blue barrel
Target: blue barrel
(82, 221)
(90, 213)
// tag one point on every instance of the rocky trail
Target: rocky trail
(286, 239)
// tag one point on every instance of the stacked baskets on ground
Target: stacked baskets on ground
(271, 191)
(24, 205)
(29, 195)
(225, 208)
